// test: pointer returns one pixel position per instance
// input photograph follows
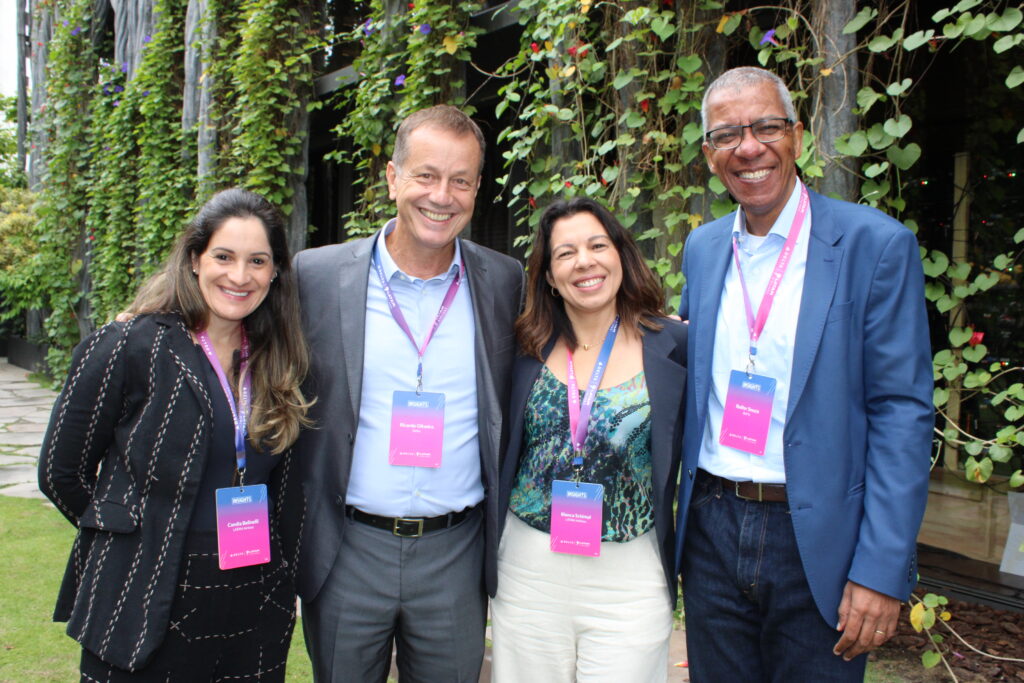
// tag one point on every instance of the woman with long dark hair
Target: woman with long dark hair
(168, 448)
(586, 585)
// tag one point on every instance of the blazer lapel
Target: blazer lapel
(710, 280)
(824, 259)
(666, 382)
(488, 407)
(352, 283)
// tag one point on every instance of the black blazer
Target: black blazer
(122, 460)
(665, 372)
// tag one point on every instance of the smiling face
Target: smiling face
(434, 191)
(585, 265)
(235, 270)
(759, 176)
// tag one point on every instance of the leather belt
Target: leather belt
(408, 527)
(751, 490)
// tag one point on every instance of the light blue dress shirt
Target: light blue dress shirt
(774, 348)
(389, 365)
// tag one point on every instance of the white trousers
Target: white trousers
(561, 618)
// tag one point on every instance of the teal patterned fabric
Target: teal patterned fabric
(618, 455)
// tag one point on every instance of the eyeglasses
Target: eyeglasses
(765, 130)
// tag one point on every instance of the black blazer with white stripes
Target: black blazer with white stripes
(122, 460)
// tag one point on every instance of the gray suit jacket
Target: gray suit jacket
(332, 288)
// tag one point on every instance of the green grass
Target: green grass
(34, 544)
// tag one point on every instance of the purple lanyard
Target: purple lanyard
(579, 415)
(240, 411)
(396, 312)
(756, 325)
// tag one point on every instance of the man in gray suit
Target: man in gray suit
(411, 341)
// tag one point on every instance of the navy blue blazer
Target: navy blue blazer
(664, 358)
(859, 422)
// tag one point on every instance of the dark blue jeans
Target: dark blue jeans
(750, 615)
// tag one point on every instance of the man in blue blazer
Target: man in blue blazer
(809, 417)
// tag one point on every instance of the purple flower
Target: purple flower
(145, 93)
(117, 103)
(106, 148)
(368, 28)
(65, 22)
(400, 81)
(424, 29)
(769, 37)
(118, 88)
(76, 30)
(106, 90)
(146, 38)
(124, 67)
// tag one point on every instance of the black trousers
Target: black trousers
(231, 625)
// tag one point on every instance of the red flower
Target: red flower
(533, 203)
(976, 338)
(572, 50)
(412, 5)
(645, 105)
(535, 47)
(583, 53)
(568, 184)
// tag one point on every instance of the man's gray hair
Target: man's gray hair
(443, 116)
(743, 77)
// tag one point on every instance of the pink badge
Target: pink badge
(243, 526)
(417, 429)
(576, 518)
(748, 412)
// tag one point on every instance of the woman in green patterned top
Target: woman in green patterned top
(585, 578)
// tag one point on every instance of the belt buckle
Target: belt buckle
(400, 524)
(760, 491)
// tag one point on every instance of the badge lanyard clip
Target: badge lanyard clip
(579, 415)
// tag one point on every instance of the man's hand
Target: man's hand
(867, 619)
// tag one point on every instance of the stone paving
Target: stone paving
(24, 413)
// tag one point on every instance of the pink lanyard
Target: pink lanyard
(579, 416)
(756, 324)
(396, 312)
(239, 411)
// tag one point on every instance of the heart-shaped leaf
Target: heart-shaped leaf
(975, 353)
(897, 128)
(986, 281)
(903, 157)
(853, 145)
(936, 264)
(958, 336)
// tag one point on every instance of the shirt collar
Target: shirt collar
(390, 267)
(783, 224)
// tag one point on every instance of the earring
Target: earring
(554, 292)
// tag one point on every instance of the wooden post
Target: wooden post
(957, 315)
